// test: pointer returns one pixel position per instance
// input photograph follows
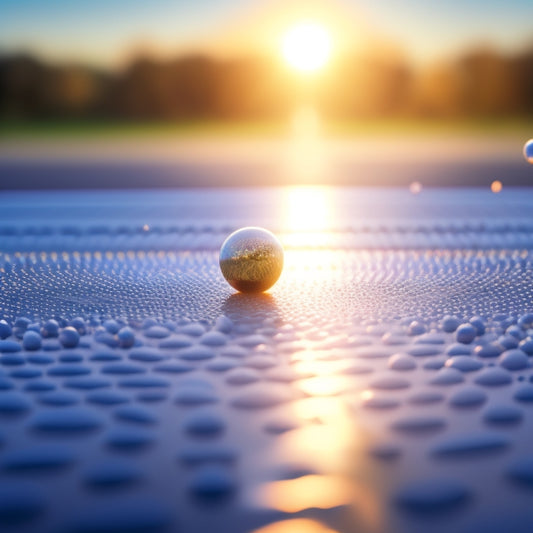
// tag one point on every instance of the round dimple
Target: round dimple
(401, 362)
(40, 359)
(87, 383)
(135, 414)
(107, 397)
(422, 350)
(189, 395)
(173, 367)
(193, 330)
(176, 341)
(458, 348)
(468, 397)
(242, 376)
(432, 495)
(447, 376)
(156, 332)
(503, 415)
(464, 363)
(493, 377)
(112, 474)
(9, 346)
(146, 354)
(385, 451)
(513, 360)
(203, 424)
(11, 359)
(129, 439)
(220, 364)
(69, 419)
(13, 403)
(419, 424)
(58, 398)
(237, 352)
(524, 393)
(105, 356)
(426, 397)
(38, 385)
(19, 502)
(26, 373)
(69, 370)
(143, 382)
(521, 470)
(380, 402)
(196, 353)
(201, 453)
(435, 363)
(470, 445)
(214, 338)
(489, 350)
(40, 457)
(122, 369)
(212, 481)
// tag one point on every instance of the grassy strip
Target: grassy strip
(197, 129)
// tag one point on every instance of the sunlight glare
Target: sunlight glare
(307, 46)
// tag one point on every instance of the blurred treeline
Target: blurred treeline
(480, 83)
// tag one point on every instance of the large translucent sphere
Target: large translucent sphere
(251, 259)
(528, 151)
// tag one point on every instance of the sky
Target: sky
(107, 32)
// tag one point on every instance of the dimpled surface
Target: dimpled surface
(345, 399)
(251, 259)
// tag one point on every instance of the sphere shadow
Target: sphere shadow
(252, 308)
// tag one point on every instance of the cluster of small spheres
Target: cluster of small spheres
(251, 259)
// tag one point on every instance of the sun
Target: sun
(306, 46)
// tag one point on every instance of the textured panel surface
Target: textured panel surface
(383, 384)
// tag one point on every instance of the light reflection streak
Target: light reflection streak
(296, 525)
(294, 495)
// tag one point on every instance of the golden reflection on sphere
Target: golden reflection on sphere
(251, 259)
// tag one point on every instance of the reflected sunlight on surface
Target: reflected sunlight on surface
(297, 525)
(294, 495)
(305, 156)
(307, 214)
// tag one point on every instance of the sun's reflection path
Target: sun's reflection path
(308, 217)
(324, 450)
(305, 157)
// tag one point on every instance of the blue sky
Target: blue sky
(105, 31)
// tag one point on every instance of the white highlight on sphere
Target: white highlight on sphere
(307, 46)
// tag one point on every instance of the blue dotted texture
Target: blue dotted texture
(384, 384)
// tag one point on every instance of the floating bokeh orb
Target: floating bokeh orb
(528, 151)
(496, 186)
(251, 259)
(415, 187)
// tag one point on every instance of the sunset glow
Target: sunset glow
(307, 47)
